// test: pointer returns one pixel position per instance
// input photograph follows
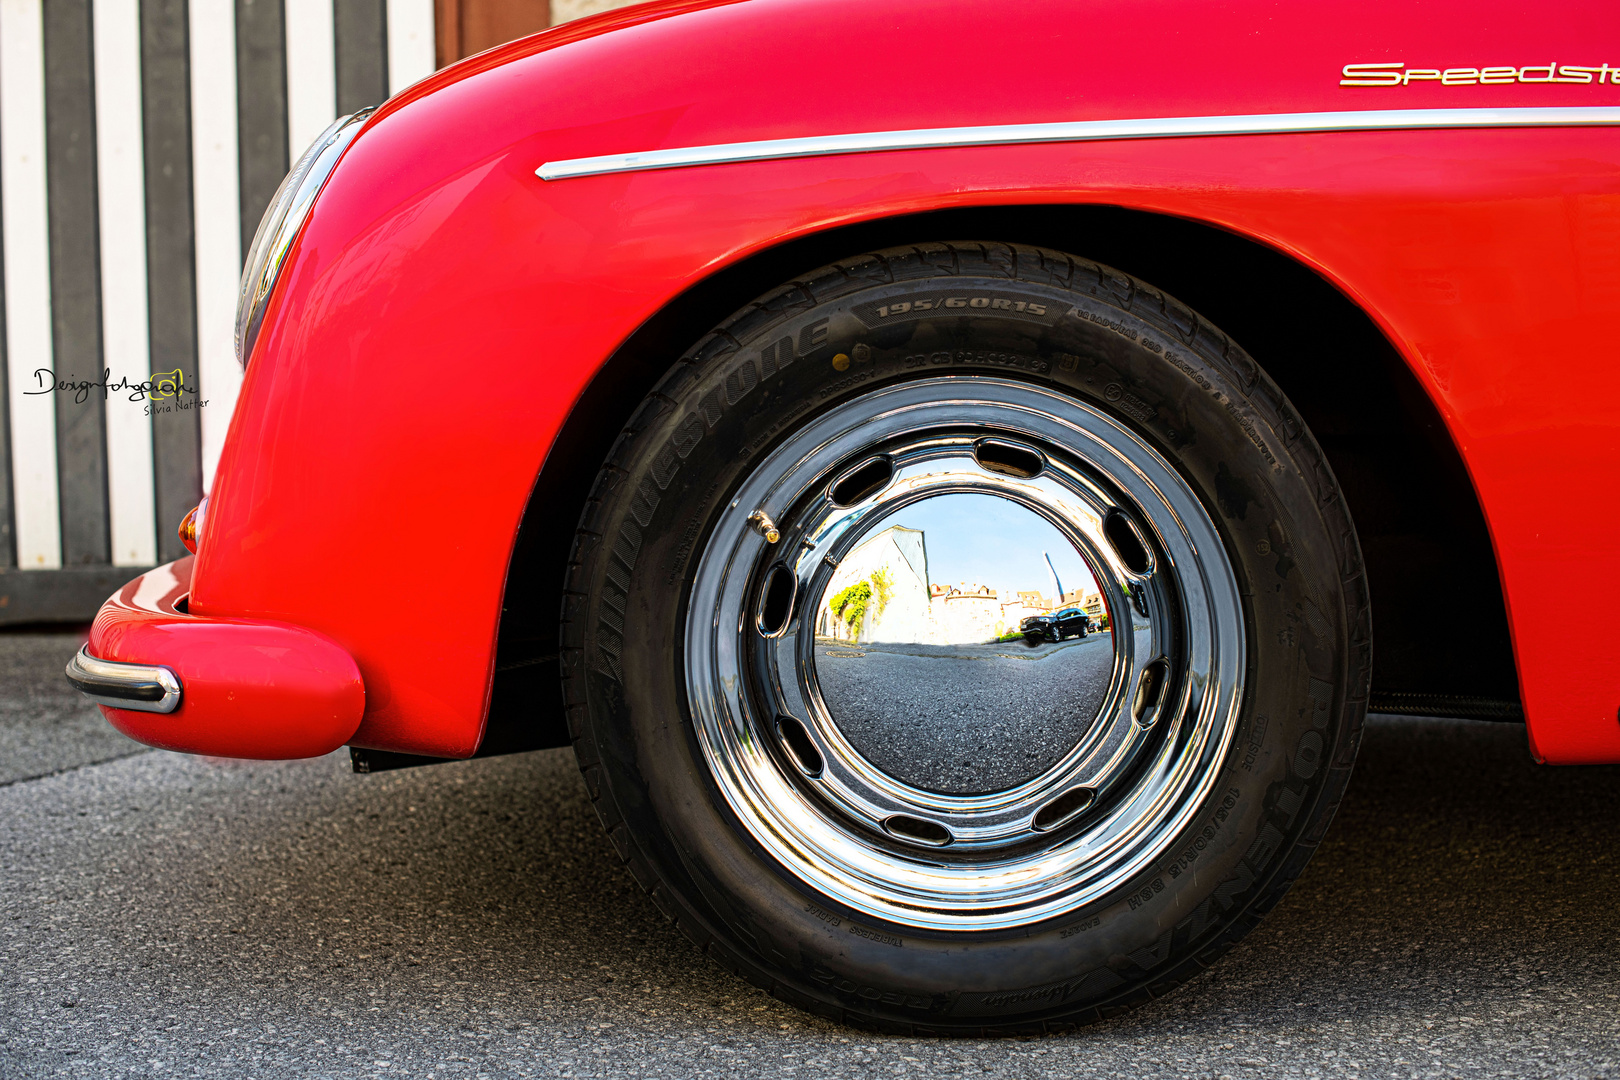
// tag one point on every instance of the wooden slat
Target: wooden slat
(447, 32)
(362, 53)
(488, 23)
(410, 42)
(311, 72)
(70, 155)
(8, 528)
(217, 213)
(166, 120)
(261, 109)
(466, 27)
(25, 212)
(120, 164)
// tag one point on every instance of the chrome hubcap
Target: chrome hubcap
(896, 734)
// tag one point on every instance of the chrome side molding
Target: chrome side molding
(140, 687)
(1172, 127)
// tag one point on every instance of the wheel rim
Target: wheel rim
(1087, 819)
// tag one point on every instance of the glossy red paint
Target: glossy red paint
(250, 689)
(444, 308)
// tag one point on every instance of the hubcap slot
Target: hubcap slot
(1128, 544)
(1063, 809)
(918, 831)
(1149, 690)
(776, 600)
(799, 745)
(862, 482)
(1009, 458)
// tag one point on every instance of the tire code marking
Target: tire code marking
(873, 935)
(920, 307)
(825, 916)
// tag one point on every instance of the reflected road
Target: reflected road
(970, 718)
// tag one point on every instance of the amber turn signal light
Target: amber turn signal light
(189, 527)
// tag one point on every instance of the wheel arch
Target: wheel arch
(1417, 514)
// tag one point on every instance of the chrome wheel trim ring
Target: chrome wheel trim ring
(996, 872)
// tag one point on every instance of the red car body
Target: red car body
(445, 314)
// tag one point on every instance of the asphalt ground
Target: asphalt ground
(965, 718)
(163, 915)
(45, 725)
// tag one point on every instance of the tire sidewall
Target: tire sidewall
(806, 349)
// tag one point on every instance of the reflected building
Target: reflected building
(894, 566)
(965, 614)
(881, 592)
(1016, 611)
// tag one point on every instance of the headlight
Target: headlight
(281, 223)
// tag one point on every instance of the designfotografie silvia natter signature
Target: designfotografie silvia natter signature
(162, 385)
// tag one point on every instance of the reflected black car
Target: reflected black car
(1056, 626)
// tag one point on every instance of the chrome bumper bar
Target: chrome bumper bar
(141, 687)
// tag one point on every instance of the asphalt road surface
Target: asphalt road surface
(171, 916)
(965, 718)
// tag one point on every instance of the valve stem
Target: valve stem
(767, 528)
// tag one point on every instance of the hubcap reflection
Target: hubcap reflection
(920, 657)
(910, 699)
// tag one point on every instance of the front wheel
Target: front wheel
(921, 831)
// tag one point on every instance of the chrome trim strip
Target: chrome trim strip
(139, 687)
(1080, 131)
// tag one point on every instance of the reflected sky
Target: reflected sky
(987, 540)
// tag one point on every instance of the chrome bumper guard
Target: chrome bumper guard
(141, 687)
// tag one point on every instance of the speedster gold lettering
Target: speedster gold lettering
(1392, 73)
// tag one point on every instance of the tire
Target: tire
(696, 787)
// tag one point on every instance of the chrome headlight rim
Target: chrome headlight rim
(282, 221)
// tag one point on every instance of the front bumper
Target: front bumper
(141, 687)
(221, 686)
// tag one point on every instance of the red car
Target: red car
(711, 386)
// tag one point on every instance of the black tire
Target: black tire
(1113, 343)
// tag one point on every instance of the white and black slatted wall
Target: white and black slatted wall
(140, 141)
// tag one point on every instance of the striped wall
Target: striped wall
(140, 141)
